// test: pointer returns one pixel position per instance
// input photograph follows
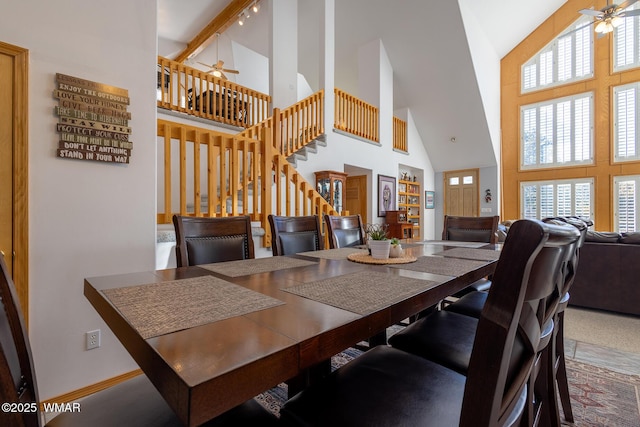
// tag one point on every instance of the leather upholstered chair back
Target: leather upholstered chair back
(518, 355)
(17, 381)
(471, 228)
(294, 234)
(208, 240)
(345, 231)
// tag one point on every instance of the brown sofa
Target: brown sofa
(608, 273)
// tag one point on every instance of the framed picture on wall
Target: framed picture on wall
(429, 199)
(386, 194)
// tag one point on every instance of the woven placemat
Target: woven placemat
(440, 265)
(362, 292)
(246, 267)
(469, 253)
(340, 253)
(365, 258)
(161, 308)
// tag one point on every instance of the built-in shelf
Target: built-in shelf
(409, 201)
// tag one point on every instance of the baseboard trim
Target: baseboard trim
(75, 395)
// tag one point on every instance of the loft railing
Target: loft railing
(216, 174)
(295, 126)
(191, 91)
(399, 134)
(355, 116)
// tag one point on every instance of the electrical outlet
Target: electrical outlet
(93, 339)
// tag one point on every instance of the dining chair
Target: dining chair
(448, 337)
(345, 231)
(387, 386)
(294, 234)
(208, 240)
(554, 366)
(555, 359)
(132, 403)
(471, 229)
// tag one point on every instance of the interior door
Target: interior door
(461, 193)
(356, 196)
(14, 161)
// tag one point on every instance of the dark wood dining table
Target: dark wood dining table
(290, 315)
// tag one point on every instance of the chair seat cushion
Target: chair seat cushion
(470, 304)
(479, 285)
(383, 387)
(136, 402)
(443, 337)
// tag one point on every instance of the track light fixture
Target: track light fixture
(246, 14)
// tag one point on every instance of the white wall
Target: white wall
(85, 218)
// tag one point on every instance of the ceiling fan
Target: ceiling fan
(610, 16)
(217, 68)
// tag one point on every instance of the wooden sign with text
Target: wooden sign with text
(93, 120)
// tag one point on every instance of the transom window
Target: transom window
(626, 43)
(626, 196)
(567, 58)
(557, 132)
(545, 199)
(625, 122)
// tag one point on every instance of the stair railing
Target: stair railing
(400, 134)
(355, 116)
(191, 91)
(238, 175)
(295, 126)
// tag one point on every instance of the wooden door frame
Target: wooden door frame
(20, 119)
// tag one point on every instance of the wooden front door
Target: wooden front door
(461, 193)
(14, 167)
(356, 196)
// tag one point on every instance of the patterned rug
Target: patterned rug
(599, 397)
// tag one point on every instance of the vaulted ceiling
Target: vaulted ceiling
(437, 74)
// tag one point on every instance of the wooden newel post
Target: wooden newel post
(266, 182)
(277, 130)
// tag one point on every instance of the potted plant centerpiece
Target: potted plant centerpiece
(396, 249)
(378, 243)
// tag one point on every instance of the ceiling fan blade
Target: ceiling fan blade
(628, 13)
(230, 71)
(219, 64)
(206, 65)
(591, 12)
(222, 76)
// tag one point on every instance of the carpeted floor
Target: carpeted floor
(600, 397)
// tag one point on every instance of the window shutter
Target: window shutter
(557, 198)
(567, 58)
(626, 203)
(563, 128)
(626, 43)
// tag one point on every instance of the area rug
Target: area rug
(599, 397)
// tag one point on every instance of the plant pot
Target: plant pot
(380, 248)
(395, 251)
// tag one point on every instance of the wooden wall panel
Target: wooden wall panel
(603, 170)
